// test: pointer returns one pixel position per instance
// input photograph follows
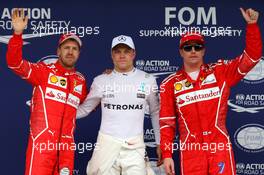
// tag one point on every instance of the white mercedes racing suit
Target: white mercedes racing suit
(124, 98)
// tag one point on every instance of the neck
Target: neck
(65, 66)
(124, 70)
(192, 68)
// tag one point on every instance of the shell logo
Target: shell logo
(178, 86)
(53, 79)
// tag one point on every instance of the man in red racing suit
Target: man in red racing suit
(58, 91)
(199, 104)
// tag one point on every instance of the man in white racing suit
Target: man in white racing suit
(124, 95)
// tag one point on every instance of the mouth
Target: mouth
(122, 62)
(69, 57)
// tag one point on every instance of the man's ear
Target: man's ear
(112, 55)
(58, 51)
(180, 50)
(203, 51)
(134, 56)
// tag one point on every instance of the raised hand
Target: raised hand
(19, 21)
(250, 15)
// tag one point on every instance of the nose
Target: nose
(122, 55)
(70, 51)
(193, 50)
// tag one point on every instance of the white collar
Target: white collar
(125, 73)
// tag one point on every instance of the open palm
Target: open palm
(19, 21)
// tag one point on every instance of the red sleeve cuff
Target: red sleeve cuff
(166, 155)
(15, 36)
(252, 25)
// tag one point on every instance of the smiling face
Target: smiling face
(68, 53)
(123, 58)
(192, 54)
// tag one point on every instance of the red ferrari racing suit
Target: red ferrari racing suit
(56, 96)
(200, 109)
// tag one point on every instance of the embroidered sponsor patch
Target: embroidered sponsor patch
(141, 95)
(182, 85)
(56, 95)
(57, 81)
(78, 89)
(197, 96)
(209, 79)
(73, 101)
(178, 86)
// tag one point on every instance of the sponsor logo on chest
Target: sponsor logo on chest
(210, 79)
(78, 89)
(186, 85)
(56, 95)
(123, 106)
(73, 101)
(198, 96)
(141, 90)
(108, 93)
(57, 81)
(60, 96)
(182, 85)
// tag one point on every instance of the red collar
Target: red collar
(62, 69)
(203, 72)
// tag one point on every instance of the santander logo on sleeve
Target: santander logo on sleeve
(197, 96)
